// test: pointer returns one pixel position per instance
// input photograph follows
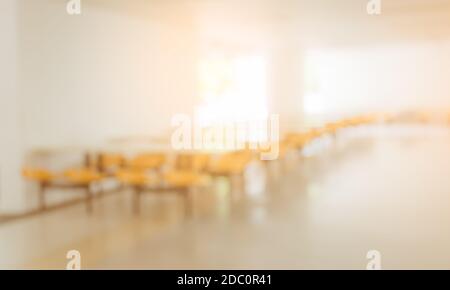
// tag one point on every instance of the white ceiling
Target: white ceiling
(313, 22)
(331, 22)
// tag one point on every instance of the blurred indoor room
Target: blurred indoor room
(225, 134)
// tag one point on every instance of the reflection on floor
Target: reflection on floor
(383, 191)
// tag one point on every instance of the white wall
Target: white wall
(11, 198)
(390, 77)
(120, 68)
(286, 75)
(125, 67)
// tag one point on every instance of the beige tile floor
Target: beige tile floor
(388, 190)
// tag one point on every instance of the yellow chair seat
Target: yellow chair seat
(185, 179)
(332, 128)
(82, 176)
(299, 140)
(232, 163)
(39, 175)
(147, 161)
(133, 177)
(193, 161)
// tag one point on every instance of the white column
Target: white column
(287, 80)
(11, 184)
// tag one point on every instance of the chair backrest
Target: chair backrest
(110, 162)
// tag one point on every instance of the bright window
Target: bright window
(232, 89)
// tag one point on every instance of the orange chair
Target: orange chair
(233, 163)
(300, 140)
(43, 178)
(138, 180)
(331, 128)
(150, 161)
(185, 179)
(196, 162)
(133, 177)
(183, 183)
(110, 163)
(424, 117)
(38, 175)
(179, 182)
(82, 178)
(73, 178)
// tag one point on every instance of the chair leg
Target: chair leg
(89, 199)
(137, 200)
(41, 193)
(188, 203)
(242, 183)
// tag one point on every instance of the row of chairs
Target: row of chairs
(155, 172)
(150, 172)
(419, 117)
